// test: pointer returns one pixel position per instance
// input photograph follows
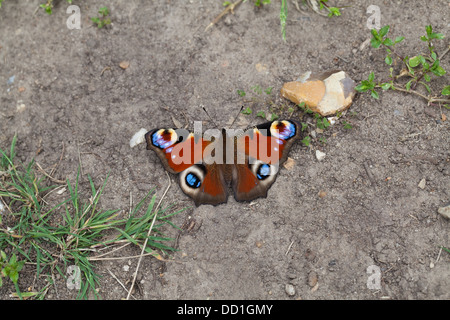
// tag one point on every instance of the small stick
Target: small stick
(112, 274)
(148, 235)
(230, 8)
(289, 248)
(60, 158)
(369, 174)
(48, 176)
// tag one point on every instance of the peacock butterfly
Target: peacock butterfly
(208, 164)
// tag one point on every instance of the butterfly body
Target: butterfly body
(209, 165)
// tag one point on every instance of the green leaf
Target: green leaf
(434, 56)
(375, 43)
(424, 38)
(388, 60)
(14, 276)
(426, 78)
(384, 31)
(388, 42)
(104, 11)
(426, 86)
(304, 126)
(446, 91)
(247, 111)
(386, 86)
(306, 141)
(273, 117)
(399, 39)
(261, 114)
(268, 90)
(374, 33)
(439, 71)
(374, 94)
(334, 12)
(371, 77)
(361, 88)
(436, 36)
(347, 125)
(241, 93)
(414, 61)
(12, 260)
(408, 85)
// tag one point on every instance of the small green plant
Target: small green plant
(332, 11)
(261, 114)
(322, 122)
(48, 6)
(241, 93)
(258, 90)
(419, 69)
(10, 269)
(247, 111)
(103, 19)
(258, 3)
(283, 18)
(347, 125)
(306, 141)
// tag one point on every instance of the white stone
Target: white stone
(422, 184)
(138, 138)
(445, 211)
(320, 155)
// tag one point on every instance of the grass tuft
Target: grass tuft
(52, 238)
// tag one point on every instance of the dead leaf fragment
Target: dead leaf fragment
(289, 164)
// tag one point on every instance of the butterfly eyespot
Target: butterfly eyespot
(283, 130)
(193, 181)
(263, 171)
(164, 138)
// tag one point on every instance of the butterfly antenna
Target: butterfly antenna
(242, 107)
(209, 117)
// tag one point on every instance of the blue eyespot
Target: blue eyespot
(263, 171)
(193, 181)
(164, 138)
(288, 131)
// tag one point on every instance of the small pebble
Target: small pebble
(445, 211)
(422, 184)
(312, 279)
(320, 155)
(290, 290)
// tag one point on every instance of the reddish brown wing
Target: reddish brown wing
(265, 147)
(182, 153)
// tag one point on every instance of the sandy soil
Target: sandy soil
(370, 212)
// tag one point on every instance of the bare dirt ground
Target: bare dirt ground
(76, 95)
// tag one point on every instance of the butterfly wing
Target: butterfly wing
(182, 153)
(259, 153)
